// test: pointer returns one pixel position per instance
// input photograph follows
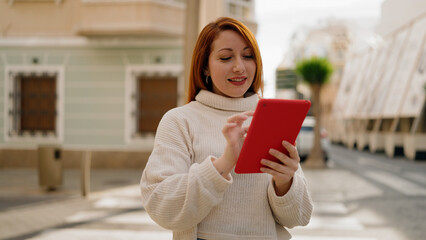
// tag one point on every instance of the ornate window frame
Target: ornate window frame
(10, 135)
(132, 72)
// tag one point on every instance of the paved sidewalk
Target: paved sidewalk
(113, 210)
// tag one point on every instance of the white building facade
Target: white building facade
(380, 104)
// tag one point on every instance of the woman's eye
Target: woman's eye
(225, 58)
(249, 56)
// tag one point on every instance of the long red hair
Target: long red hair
(202, 50)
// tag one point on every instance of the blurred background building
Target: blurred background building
(381, 99)
(376, 95)
(95, 75)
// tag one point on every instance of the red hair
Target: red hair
(202, 50)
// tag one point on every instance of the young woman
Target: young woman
(188, 184)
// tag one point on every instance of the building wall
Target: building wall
(43, 18)
(25, 18)
(95, 91)
(99, 47)
(380, 103)
(397, 13)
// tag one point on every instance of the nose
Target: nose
(239, 65)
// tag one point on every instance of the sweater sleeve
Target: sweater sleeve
(295, 207)
(176, 193)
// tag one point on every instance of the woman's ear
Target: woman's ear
(206, 72)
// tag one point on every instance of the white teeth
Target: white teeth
(236, 80)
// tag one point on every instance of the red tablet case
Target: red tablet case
(274, 120)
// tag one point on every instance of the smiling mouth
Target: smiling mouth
(237, 79)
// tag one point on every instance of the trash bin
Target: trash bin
(50, 170)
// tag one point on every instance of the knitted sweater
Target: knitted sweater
(182, 190)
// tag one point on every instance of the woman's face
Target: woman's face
(231, 65)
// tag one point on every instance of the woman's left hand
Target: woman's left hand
(282, 173)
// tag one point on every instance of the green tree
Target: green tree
(315, 72)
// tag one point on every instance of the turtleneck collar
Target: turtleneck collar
(214, 100)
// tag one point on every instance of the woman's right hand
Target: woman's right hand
(234, 133)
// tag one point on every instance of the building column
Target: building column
(192, 17)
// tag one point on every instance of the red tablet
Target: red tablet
(274, 120)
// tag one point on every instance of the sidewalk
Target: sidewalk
(113, 209)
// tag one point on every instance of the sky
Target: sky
(278, 19)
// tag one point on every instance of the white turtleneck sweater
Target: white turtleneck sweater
(183, 191)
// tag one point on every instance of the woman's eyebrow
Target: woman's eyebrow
(225, 49)
(230, 49)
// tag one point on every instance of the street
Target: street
(359, 196)
(370, 196)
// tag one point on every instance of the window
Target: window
(151, 90)
(34, 99)
(155, 95)
(246, 12)
(232, 9)
(242, 9)
(33, 107)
